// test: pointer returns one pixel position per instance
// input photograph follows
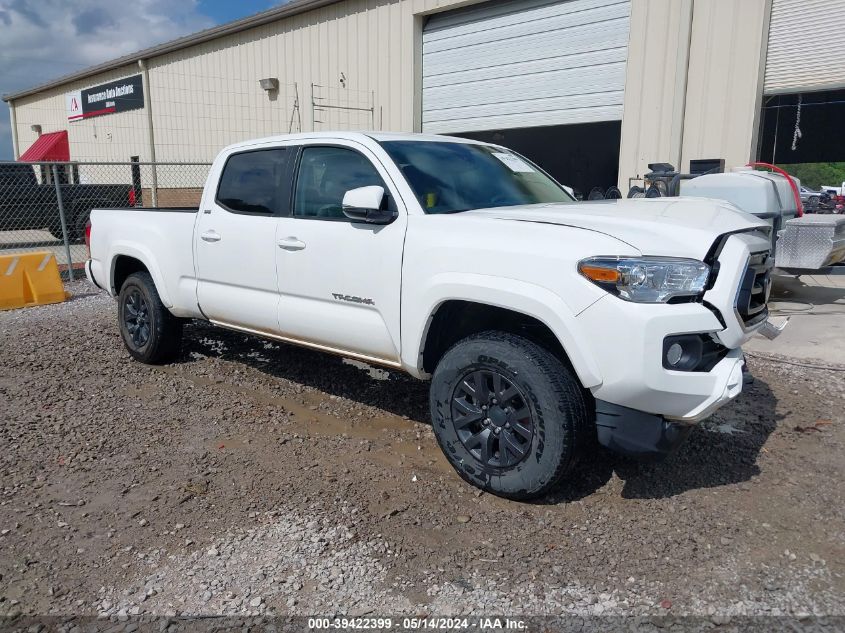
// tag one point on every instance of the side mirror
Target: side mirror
(364, 204)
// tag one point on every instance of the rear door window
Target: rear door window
(254, 182)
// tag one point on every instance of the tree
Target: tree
(814, 175)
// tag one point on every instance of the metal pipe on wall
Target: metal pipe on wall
(14, 123)
(63, 221)
(678, 146)
(145, 78)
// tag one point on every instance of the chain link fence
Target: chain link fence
(45, 206)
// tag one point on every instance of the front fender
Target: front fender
(511, 294)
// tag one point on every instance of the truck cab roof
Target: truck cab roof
(361, 137)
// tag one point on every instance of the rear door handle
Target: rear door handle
(210, 236)
(291, 244)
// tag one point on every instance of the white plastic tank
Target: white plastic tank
(812, 242)
(766, 195)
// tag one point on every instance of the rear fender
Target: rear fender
(145, 256)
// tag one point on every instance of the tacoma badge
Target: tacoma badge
(352, 299)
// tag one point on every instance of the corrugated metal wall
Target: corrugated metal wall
(356, 53)
(694, 83)
(655, 93)
(524, 63)
(363, 52)
(724, 90)
(806, 46)
(113, 137)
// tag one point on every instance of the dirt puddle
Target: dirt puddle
(402, 443)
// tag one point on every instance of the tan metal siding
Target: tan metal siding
(114, 137)
(655, 87)
(694, 82)
(806, 46)
(724, 88)
(207, 96)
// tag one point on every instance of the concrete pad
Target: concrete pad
(815, 305)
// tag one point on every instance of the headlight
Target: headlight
(647, 279)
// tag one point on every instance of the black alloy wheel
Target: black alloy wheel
(492, 419)
(136, 318)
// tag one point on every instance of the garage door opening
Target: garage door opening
(818, 119)
(580, 156)
(801, 133)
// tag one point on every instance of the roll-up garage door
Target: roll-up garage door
(524, 63)
(806, 46)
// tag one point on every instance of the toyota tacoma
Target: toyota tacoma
(544, 325)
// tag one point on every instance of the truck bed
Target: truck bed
(161, 238)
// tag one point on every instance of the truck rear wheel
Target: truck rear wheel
(509, 416)
(151, 334)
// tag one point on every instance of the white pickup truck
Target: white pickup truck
(544, 324)
(834, 190)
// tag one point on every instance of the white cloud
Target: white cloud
(45, 39)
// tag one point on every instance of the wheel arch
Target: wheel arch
(129, 260)
(525, 309)
(456, 319)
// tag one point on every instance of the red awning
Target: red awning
(51, 146)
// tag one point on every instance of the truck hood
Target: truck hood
(671, 227)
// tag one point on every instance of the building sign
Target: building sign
(116, 96)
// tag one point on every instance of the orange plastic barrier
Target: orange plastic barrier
(30, 279)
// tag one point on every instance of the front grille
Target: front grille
(753, 294)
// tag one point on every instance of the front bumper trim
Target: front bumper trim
(637, 434)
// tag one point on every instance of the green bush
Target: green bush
(814, 175)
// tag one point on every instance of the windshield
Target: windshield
(453, 177)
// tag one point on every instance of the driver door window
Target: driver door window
(325, 174)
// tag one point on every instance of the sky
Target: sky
(44, 39)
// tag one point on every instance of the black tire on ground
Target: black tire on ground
(56, 231)
(536, 392)
(76, 228)
(151, 334)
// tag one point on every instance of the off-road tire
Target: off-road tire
(79, 218)
(56, 231)
(556, 400)
(164, 337)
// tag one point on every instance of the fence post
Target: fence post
(64, 223)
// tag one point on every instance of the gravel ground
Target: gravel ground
(257, 478)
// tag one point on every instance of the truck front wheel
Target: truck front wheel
(510, 416)
(151, 334)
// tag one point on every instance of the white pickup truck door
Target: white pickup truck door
(234, 242)
(340, 280)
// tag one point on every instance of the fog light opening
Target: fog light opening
(682, 352)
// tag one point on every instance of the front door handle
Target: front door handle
(291, 244)
(210, 236)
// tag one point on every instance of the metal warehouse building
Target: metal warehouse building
(593, 90)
